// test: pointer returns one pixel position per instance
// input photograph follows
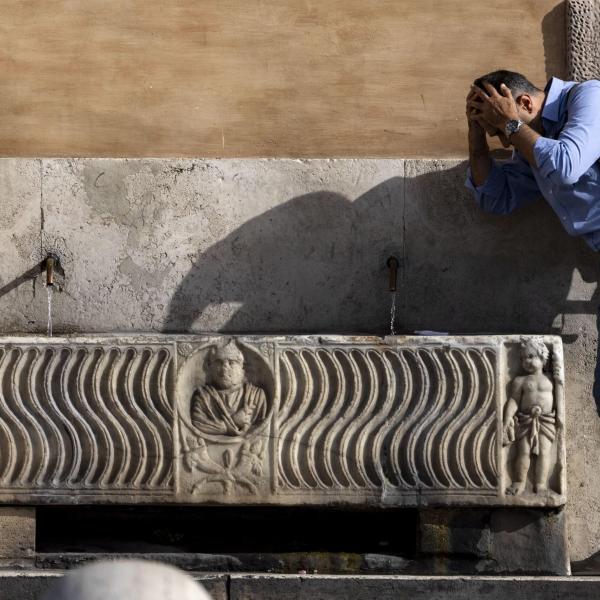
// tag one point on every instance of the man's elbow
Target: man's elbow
(565, 176)
(568, 170)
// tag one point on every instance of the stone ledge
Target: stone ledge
(28, 585)
(323, 587)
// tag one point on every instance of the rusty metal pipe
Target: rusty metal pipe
(50, 263)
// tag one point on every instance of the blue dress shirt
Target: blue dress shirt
(568, 171)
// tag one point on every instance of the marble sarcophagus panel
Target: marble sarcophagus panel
(398, 421)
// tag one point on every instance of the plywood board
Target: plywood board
(262, 78)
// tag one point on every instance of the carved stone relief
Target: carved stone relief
(283, 420)
(226, 393)
(533, 420)
(394, 419)
(86, 417)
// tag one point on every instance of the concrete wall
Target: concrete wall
(269, 78)
(300, 246)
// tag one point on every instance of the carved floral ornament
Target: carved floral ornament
(283, 420)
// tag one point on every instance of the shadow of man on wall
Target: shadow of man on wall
(314, 263)
(317, 263)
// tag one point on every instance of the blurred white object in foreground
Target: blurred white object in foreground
(126, 580)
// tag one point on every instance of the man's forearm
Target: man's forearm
(524, 141)
(480, 163)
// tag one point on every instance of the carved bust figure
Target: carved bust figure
(227, 404)
(530, 418)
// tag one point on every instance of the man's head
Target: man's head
(518, 84)
(529, 98)
(226, 366)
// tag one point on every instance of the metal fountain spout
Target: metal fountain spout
(52, 268)
(49, 264)
(393, 264)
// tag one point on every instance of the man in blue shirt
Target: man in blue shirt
(555, 134)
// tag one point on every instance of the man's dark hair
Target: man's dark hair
(515, 82)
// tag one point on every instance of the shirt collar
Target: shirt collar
(554, 91)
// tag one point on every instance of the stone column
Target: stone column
(583, 39)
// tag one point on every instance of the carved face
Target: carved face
(226, 372)
(531, 360)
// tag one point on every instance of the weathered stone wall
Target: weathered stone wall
(300, 246)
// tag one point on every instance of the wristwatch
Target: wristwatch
(513, 126)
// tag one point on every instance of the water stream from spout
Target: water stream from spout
(393, 315)
(50, 292)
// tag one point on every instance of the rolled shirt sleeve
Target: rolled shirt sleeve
(508, 186)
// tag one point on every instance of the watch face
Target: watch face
(512, 126)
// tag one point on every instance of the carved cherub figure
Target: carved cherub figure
(530, 417)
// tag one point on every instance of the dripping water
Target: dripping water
(393, 315)
(50, 292)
